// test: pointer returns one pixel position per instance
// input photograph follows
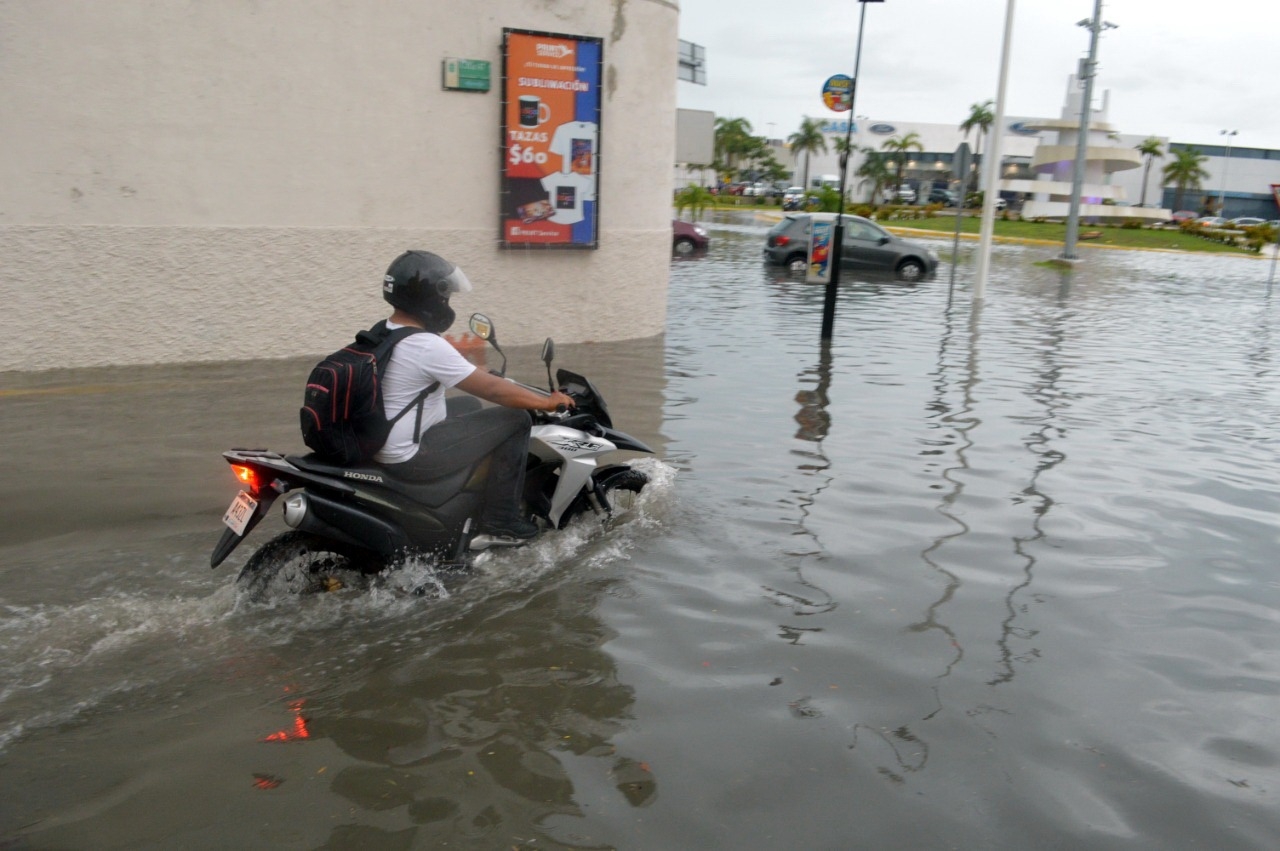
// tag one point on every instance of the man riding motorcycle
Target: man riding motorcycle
(446, 436)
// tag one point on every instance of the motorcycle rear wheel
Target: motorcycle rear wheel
(295, 563)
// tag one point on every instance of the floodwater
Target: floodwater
(968, 578)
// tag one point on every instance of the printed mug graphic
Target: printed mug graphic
(533, 111)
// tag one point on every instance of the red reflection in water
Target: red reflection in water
(297, 732)
(266, 781)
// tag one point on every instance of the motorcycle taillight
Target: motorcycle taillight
(247, 476)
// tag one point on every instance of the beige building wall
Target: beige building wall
(228, 180)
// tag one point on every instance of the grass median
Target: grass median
(1056, 232)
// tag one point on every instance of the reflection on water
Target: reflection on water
(996, 578)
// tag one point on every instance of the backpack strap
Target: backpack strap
(386, 340)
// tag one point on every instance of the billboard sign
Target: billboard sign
(550, 140)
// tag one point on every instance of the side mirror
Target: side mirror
(548, 355)
(884, 240)
(481, 326)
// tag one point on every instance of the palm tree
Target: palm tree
(845, 148)
(810, 140)
(696, 198)
(980, 117)
(874, 170)
(900, 146)
(732, 140)
(1151, 150)
(1185, 172)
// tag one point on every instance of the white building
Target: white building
(1038, 159)
(229, 180)
(1054, 161)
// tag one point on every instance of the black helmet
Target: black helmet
(420, 283)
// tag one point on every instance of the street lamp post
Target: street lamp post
(1226, 163)
(1088, 69)
(837, 239)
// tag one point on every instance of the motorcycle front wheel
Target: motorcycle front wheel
(295, 563)
(621, 486)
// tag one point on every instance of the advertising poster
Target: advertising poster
(837, 93)
(550, 140)
(822, 234)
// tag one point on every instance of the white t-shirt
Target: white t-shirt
(416, 362)
(566, 192)
(575, 142)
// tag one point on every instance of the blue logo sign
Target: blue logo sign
(1022, 129)
(837, 127)
(883, 129)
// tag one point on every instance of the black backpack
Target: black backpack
(343, 420)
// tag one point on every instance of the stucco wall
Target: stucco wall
(213, 181)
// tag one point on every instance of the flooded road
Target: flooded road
(994, 578)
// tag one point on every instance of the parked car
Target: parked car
(1182, 216)
(793, 198)
(1211, 221)
(945, 197)
(1246, 222)
(688, 237)
(760, 188)
(971, 200)
(867, 246)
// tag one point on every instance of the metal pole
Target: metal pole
(1222, 191)
(1088, 69)
(833, 285)
(993, 169)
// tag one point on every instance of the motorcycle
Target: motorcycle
(351, 522)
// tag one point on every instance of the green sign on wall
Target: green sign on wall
(471, 75)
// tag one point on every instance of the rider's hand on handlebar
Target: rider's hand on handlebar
(558, 401)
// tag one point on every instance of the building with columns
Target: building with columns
(217, 181)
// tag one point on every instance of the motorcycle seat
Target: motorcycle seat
(432, 493)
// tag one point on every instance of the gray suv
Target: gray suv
(867, 246)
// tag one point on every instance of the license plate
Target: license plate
(240, 512)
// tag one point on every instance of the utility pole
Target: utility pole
(1088, 70)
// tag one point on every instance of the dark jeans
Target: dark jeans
(467, 434)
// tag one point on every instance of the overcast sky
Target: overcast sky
(1185, 69)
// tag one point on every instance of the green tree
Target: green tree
(732, 141)
(845, 148)
(980, 118)
(809, 140)
(695, 198)
(875, 171)
(1185, 172)
(1151, 151)
(899, 146)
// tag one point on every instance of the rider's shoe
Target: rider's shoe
(518, 529)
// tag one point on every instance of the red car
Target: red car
(1183, 216)
(688, 237)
